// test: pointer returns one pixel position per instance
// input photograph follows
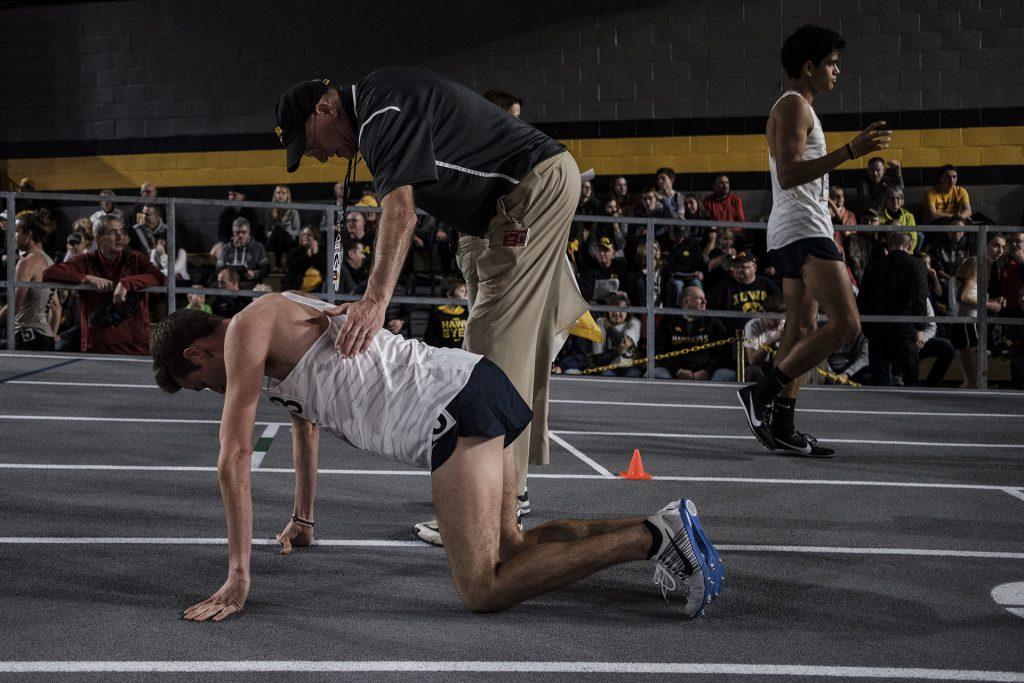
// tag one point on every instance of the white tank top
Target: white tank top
(802, 211)
(385, 400)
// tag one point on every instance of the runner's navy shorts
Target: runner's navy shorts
(487, 406)
(788, 260)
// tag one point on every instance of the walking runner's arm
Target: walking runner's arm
(366, 316)
(305, 446)
(246, 347)
(793, 121)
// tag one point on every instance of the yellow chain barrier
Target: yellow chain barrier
(703, 347)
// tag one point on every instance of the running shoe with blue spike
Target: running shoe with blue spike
(686, 559)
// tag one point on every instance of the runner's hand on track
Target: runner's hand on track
(227, 601)
(873, 138)
(365, 318)
(294, 535)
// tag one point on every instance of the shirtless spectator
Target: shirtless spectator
(36, 311)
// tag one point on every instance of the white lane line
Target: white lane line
(582, 456)
(539, 475)
(373, 543)
(405, 666)
(87, 384)
(1016, 493)
(738, 437)
(829, 411)
(99, 358)
(259, 451)
(731, 386)
(102, 419)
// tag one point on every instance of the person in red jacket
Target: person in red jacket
(113, 318)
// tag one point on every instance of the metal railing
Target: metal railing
(329, 211)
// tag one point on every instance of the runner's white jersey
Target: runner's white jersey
(802, 211)
(385, 400)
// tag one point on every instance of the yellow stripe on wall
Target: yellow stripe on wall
(631, 156)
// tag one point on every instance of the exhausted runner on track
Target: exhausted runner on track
(453, 411)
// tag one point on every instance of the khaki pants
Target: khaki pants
(526, 297)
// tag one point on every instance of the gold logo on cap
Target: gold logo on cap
(279, 133)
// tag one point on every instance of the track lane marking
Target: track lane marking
(582, 456)
(591, 667)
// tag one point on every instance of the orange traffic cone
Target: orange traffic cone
(636, 468)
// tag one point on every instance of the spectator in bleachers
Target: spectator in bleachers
(965, 335)
(283, 226)
(693, 210)
(880, 177)
(605, 275)
(589, 205)
(651, 206)
(621, 332)
(635, 284)
(574, 357)
(228, 279)
(84, 240)
(56, 232)
(197, 301)
(244, 254)
(339, 201)
(306, 264)
(158, 255)
(895, 213)
(664, 180)
(1009, 285)
(745, 291)
(837, 207)
(685, 261)
(354, 270)
(678, 332)
(108, 208)
(895, 284)
(934, 283)
(949, 250)
(939, 348)
(36, 311)
(613, 232)
(759, 333)
(862, 248)
(142, 236)
(147, 193)
(720, 249)
(723, 205)
(446, 326)
(226, 222)
(946, 201)
(74, 247)
(69, 330)
(114, 317)
(368, 200)
(628, 203)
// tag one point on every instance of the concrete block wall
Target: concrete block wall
(160, 68)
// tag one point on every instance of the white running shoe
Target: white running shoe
(686, 558)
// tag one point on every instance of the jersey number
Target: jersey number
(292, 406)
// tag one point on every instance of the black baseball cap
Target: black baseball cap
(293, 109)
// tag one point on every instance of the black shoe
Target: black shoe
(758, 417)
(802, 444)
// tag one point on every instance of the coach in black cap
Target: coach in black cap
(436, 145)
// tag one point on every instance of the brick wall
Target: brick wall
(157, 68)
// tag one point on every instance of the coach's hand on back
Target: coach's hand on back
(365, 318)
(873, 138)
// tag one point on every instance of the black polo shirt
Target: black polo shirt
(459, 151)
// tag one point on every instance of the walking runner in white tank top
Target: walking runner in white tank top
(449, 409)
(800, 244)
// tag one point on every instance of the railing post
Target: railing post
(12, 258)
(172, 257)
(650, 297)
(982, 280)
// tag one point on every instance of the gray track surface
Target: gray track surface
(85, 602)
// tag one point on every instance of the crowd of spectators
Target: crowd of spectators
(695, 267)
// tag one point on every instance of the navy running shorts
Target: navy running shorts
(487, 406)
(788, 260)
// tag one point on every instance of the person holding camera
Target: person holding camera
(114, 315)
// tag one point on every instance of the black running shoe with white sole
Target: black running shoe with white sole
(799, 443)
(758, 416)
(686, 558)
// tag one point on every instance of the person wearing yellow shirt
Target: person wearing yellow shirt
(946, 201)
